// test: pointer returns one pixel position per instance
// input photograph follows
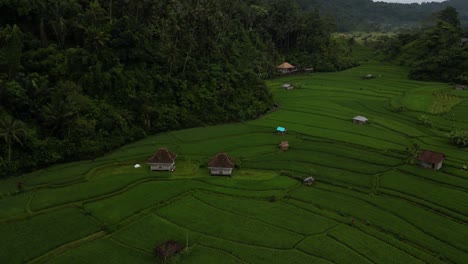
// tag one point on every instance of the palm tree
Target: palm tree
(11, 130)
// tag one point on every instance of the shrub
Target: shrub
(459, 138)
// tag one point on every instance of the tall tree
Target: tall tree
(11, 131)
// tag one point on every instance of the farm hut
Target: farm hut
(309, 69)
(464, 41)
(287, 86)
(168, 249)
(163, 160)
(461, 87)
(221, 165)
(285, 67)
(284, 145)
(281, 130)
(368, 77)
(308, 181)
(431, 160)
(360, 120)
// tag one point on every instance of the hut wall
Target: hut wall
(162, 166)
(221, 171)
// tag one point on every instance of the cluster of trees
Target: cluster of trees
(80, 78)
(435, 53)
(369, 15)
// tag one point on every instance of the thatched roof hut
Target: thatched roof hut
(162, 160)
(221, 164)
(168, 249)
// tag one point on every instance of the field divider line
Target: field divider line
(431, 180)
(338, 216)
(338, 130)
(80, 203)
(408, 243)
(129, 221)
(220, 238)
(352, 249)
(316, 234)
(453, 217)
(224, 251)
(401, 218)
(123, 244)
(237, 188)
(248, 217)
(65, 247)
(431, 203)
(315, 256)
(377, 228)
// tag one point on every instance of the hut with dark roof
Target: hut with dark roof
(163, 160)
(431, 160)
(168, 249)
(221, 165)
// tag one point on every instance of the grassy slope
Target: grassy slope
(403, 214)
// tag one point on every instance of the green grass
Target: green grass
(26, 239)
(90, 211)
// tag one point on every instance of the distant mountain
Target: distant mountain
(366, 15)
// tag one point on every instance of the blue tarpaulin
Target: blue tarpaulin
(281, 129)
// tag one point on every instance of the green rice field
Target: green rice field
(367, 205)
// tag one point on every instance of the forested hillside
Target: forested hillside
(367, 15)
(434, 53)
(80, 78)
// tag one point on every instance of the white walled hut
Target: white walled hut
(221, 165)
(163, 160)
(360, 120)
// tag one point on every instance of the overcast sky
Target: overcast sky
(408, 1)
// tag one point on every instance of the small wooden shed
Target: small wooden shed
(163, 160)
(168, 249)
(461, 87)
(285, 67)
(464, 41)
(309, 181)
(221, 165)
(431, 160)
(284, 145)
(360, 120)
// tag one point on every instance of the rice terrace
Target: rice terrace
(368, 203)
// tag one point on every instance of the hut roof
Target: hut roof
(431, 157)
(361, 118)
(284, 143)
(309, 179)
(464, 40)
(286, 85)
(162, 156)
(285, 65)
(221, 160)
(280, 129)
(168, 249)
